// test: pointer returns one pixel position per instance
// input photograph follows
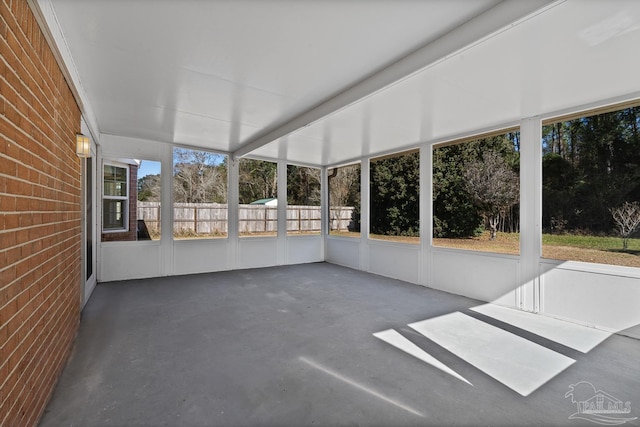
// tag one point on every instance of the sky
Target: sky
(148, 167)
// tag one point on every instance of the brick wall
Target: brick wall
(40, 218)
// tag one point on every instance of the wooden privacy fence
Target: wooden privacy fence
(257, 219)
(150, 213)
(212, 218)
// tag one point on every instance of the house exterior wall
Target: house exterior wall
(40, 217)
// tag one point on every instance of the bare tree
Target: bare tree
(199, 177)
(494, 186)
(627, 219)
(149, 188)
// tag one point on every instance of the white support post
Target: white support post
(166, 216)
(324, 210)
(530, 213)
(282, 213)
(426, 213)
(233, 200)
(364, 214)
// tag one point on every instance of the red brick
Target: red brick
(8, 166)
(8, 275)
(11, 221)
(39, 289)
(7, 203)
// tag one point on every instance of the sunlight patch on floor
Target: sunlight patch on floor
(521, 365)
(578, 337)
(397, 340)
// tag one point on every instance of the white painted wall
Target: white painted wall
(601, 296)
(200, 256)
(395, 260)
(479, 275)
(303, 249)
(343, 251)
(129, 260)
(254, 252)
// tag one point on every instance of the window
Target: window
(258, 192)
(476, 190)
(303, 200)
(591, 188)
(115, 198)
(131, 200)
(200, 185)
(344, 201)
(395, 197)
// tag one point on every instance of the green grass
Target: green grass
(589, 242)
(602, 250)
(568, 247)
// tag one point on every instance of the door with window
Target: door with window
(89, 232)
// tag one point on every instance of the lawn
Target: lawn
(505, 243)
(601, 250)
(589, 242)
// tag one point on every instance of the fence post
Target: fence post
(195, 219)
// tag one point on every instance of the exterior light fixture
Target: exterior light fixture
(83, 146)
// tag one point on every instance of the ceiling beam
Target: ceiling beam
(489, 23)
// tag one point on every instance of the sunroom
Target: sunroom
(484, 149)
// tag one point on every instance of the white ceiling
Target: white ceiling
(326, 81)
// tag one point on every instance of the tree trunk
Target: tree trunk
(493, 224)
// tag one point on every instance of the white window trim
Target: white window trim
(125, 198)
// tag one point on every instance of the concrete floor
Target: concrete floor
(295, 345)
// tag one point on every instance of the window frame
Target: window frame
(124, 199)
(224, 236)
(447, 243)
(300, 232)
(240, 182)
(402, 239)
(329, 207)
(547, 226)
